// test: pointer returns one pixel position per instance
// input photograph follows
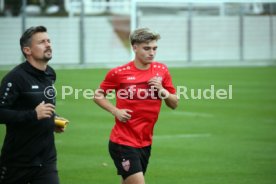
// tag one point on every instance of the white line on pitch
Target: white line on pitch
(194, 114)
(181, 136)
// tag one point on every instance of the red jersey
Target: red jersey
(134, 93)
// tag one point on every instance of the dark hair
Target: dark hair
(26, 37)
(143, 35)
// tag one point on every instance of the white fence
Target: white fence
(102, 44)
(98, 6)
(213, 39)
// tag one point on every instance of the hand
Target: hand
(59, 129)
(44, 110)
(155, 83)
(60, 124)
(122, 115)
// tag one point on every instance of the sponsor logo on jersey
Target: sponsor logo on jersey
(35, 87)
(131, 78)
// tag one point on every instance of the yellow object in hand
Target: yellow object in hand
(61, 122)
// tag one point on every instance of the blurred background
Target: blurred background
(95, 32)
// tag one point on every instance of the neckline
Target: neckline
(140, 68)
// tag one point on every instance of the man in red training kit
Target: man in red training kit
(140, 86)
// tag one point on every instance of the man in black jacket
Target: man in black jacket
(27, 108)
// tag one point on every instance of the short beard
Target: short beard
(45, 59)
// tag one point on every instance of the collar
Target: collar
(34, 71)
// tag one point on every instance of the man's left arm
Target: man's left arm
(170, 99)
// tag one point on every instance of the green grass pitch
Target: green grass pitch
(230, 141)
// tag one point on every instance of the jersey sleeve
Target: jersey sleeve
(9, 92)
(167, 82)
(110, 82)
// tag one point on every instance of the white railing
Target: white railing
(98, 6)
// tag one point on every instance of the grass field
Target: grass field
(216, 141)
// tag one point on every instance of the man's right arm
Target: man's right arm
(9, 92)
(122, 115)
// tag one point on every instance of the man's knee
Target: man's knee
(137, 178)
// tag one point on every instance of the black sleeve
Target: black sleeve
(9, 92)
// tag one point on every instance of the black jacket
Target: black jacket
(28, 141)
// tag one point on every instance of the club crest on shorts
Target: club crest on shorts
(126, 165)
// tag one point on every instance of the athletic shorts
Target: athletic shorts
(29, 175)
(129, 160)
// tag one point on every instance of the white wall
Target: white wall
(10, 32)
(173, 30)
(256, 38)
(213, 39)
(102, 43)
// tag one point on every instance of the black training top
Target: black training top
(28, 141)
